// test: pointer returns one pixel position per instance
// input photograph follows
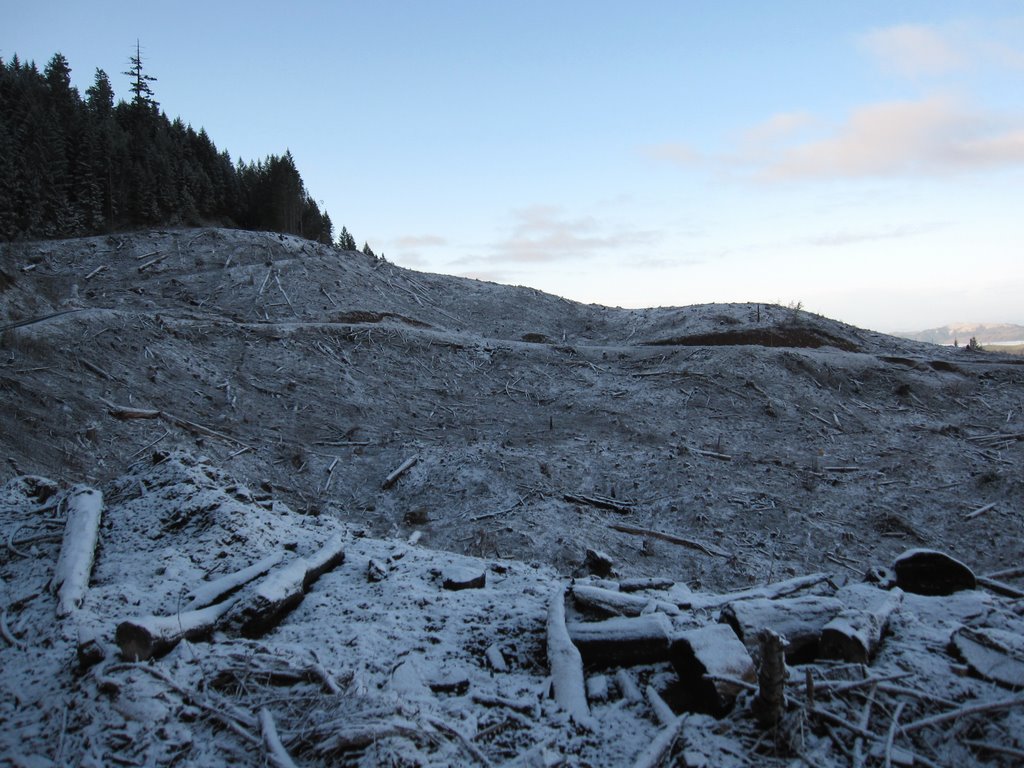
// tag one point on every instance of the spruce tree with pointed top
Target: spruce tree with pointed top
(142, 94)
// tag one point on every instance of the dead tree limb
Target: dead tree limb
(707, 549)
(661, 746)
(276, 753)
(74, 565)
(125, 413)
(402, 469)
(601, 502)
(153, 262)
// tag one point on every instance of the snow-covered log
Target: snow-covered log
(994, 654)
(212, 591)
(620, 603)
(623, 641)
(152, 636)
(640, 584)
(712, 665)
(854, 635)
(74, 565)
(284, 588)
(566, 664)
(769, 591)
(327, 558)
(798, 619)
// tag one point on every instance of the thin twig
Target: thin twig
(963, 712)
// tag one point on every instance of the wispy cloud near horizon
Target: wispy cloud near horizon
(544, 233)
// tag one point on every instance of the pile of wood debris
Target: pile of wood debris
(178, 616)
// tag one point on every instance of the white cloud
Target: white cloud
(914, 50)
(543, 233)
(674, 152)
(419, 241)
(930, 136)
(778, 128)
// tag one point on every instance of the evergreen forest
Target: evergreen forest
(71, 167)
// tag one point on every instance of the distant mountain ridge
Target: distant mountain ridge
(985, 333)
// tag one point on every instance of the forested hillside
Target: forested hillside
(71, 166)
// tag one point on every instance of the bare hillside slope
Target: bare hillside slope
(780, 437)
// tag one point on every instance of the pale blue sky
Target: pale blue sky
(864, 158)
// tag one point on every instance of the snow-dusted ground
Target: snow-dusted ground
(776, 443)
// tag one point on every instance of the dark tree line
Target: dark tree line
(71, 166)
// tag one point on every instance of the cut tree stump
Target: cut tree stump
(770, 702)
(598, 563)
(855, 635)
(798, 619)
(707, 661)
(930, 572)
(78, 548)
(623, 641)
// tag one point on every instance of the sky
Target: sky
(865, 159)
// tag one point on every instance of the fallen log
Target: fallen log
(610, 601)
(623, 641)
(770, 591)
(992, 654)
(855, 634)
(641, 584)
(214, 591)
(152, 636)
(798, 619)
(74, 565)
(566, 664)
(283, 589)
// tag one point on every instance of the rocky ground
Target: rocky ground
(719, 446)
